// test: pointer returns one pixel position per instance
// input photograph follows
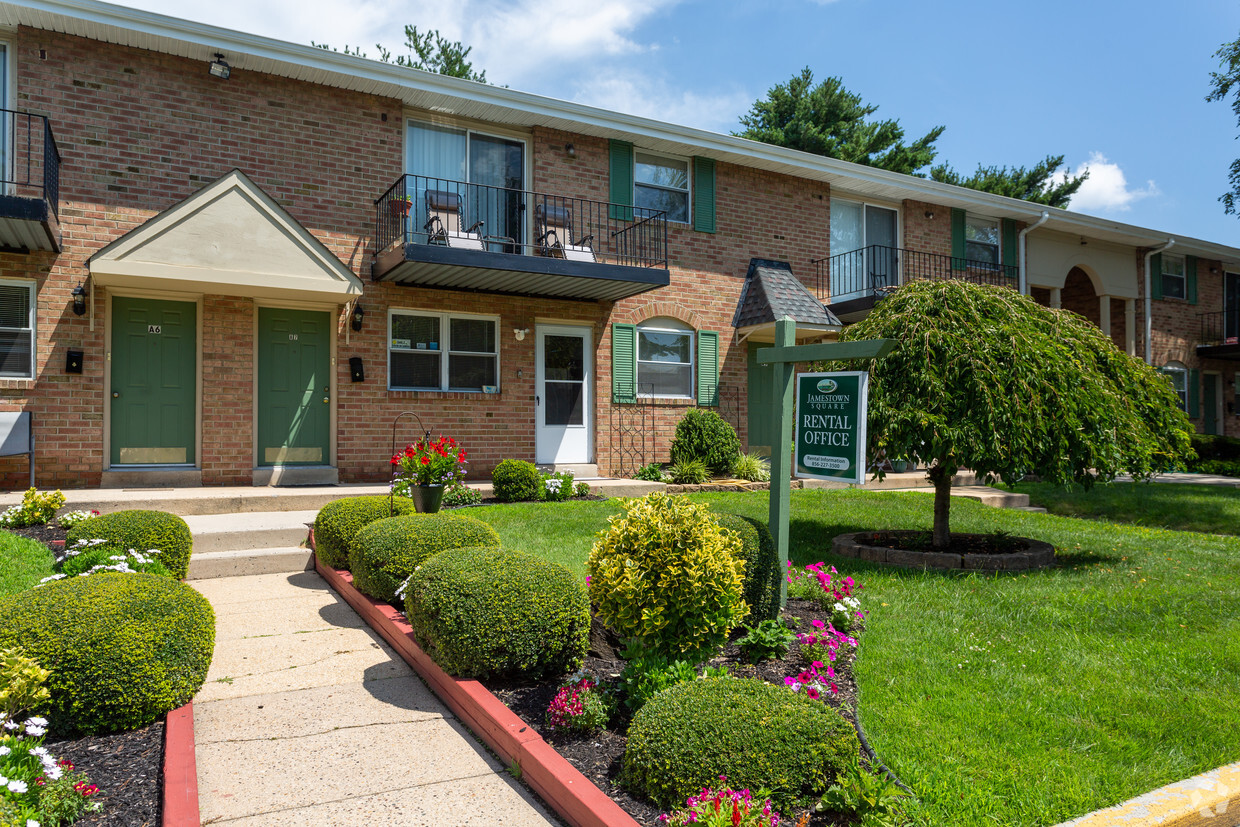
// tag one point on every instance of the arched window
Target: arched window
(1178, 374)
(664, 359)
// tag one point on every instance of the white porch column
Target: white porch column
(1130, 326)
(1104, 314)
(1055, 298)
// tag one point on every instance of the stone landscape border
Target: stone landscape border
(1035, 555)
(570, 794)
(180, 799)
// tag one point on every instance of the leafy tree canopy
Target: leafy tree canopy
(427, 51)
(1224, 85)
(1037, 184)
(987, 379)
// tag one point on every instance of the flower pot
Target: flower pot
(901, 466)
(426, 498)
(399, 206)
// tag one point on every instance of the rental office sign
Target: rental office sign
(830, 425)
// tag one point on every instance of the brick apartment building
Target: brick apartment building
(226, 259)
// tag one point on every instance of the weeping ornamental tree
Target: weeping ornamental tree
(986, 379)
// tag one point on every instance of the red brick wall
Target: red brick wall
(1079, 296)
(927, 227)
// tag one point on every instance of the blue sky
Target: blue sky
(1118, 87)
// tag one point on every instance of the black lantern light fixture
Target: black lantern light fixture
(79, 300)
(219, 68)
(355, 320)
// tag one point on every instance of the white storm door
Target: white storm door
(563, 387)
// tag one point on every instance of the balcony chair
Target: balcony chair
(553, 229)
(444, 221)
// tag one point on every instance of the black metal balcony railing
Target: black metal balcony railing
(30, 165)
(418, 209)
(1222, 327)
(874, 270)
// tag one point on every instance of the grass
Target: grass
(23, 562)
(1208, 508)
(1021, 699)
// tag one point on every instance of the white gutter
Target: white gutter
(1149, 308)
(1024, 254)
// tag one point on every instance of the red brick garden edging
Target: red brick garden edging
(180, 772)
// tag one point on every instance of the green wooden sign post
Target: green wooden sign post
(782, 357)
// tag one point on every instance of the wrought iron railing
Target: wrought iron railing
(418, 209)
(875, 270)
(1222, 327)
(29, 158)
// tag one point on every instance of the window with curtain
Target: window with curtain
(662, 183)
(981, 239)
(664, 359)
(17, 303)
(439, 351)
(1178, 374)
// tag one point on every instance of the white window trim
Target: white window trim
(1182, 276)
(688, 190)
(998, 245)
(445, 333)
(1172, 370)
(34, 315)
(637, 360)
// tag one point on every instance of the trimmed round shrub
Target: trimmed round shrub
(482, 612)
(667, 574)
(387, 551)
(338, 522)
(705, 435)
(759, 735)
(761, 565)
(141, 531)
(123, 649)
(516, 481)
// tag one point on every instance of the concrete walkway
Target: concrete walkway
(307, 718)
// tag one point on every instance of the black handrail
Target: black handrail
(877, 269)
(31, 159)
(1222, 327)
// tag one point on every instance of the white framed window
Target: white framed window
(661, 182)
(430, 351)
(1174, 281)
(17, 309)
(981, 239)
(665, 359)
(1178, 374)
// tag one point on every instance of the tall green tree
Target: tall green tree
(1224, 85)
(428, 51)
(987, 379)
(1037, 183)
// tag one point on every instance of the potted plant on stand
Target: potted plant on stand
(425, 469)
(400, 204)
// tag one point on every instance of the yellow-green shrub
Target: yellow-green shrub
(122, 649)
(141, 531)
(338, 522)
(387, 551)
(667, 574)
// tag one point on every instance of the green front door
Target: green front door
(1209, 403)
(294, 387)
(154, 344)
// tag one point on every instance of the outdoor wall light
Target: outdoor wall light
(219, 68)
(355, 320)
(930, 214)
(520, 332)
(79, 300)
(570, 150)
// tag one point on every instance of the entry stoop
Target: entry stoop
(231, 545)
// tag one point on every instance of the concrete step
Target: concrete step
(255, 530)
(983, 494)
(1032, 509)
(212, 564)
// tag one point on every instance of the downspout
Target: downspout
(1149, 308)
(1023, 283)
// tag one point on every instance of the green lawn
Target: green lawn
(23, 562)
(1209, 508)
(1014, 699)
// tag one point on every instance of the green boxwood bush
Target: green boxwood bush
(387, 551)
(759, 735)
(706, 436)
(517, 481)
(761, 565)
(141, 531)
(338, 522)
(123, 649)
(1216, 455)
(482, 612)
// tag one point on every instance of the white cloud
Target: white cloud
(1106, 189)
(635, 94)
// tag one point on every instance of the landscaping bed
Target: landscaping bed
(127, 767)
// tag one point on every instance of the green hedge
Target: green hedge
(1216, 455)
(482, 612)
(123, 649)
(514, 480)
(387, 551)
(761, 566)
(338, 522)
(141, 531)
(759, 735)
(707, 436)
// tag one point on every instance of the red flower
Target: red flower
(426, 460)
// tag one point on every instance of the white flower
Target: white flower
(3, 781)
(30, 822)
(839, 607)
(5, 750)
(37, 721)
(35, 730)
(54, 772)
(11, 725)
(18, 787)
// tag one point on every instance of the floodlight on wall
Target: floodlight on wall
(355, 318)
(79, 300)
(520, 332)
(219, 67)
(570, 150)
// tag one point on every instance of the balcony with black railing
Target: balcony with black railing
(1219, 335)
(434, 232)
(29, 183)
(850, 283)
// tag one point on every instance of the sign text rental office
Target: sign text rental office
(830, 432)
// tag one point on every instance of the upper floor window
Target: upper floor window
(661, 182)
(439, 351)
(1174, 279)
(981, 239)
(1178, 374)
(17, 306)
(664, 359)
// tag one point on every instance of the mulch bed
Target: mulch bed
(960, 543)
(45, 534)
(598, 757)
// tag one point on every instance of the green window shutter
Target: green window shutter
(958, 248)
(1007, 232)
(1190, 279)
(621, 171)
(708, 368)
(623, 363)
(1156, 276)
(704, 195)
(1194, 394)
